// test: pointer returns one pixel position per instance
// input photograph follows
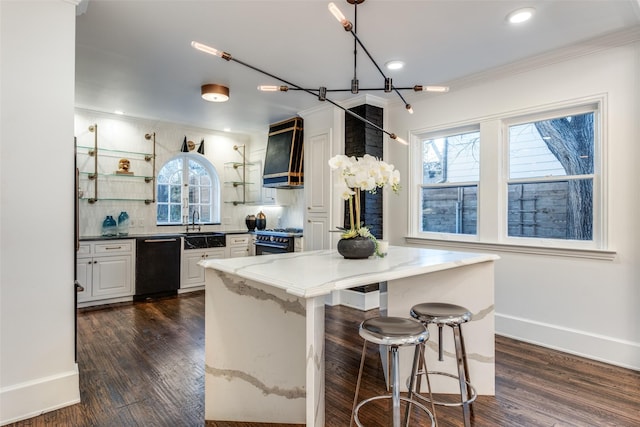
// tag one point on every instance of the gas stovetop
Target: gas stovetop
(281, 232)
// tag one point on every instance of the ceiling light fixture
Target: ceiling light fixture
(521, 15)
(322, 91)
(215, 93)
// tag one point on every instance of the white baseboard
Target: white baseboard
(581, 343)
(32, 398)
(359, 300)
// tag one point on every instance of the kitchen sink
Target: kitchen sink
(204, 240)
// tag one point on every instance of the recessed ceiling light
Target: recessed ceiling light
(227, 129)
(394, 65)
(520, 15)
(119, 112)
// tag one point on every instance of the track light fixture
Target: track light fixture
(321, 92)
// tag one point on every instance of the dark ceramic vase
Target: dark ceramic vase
(261, 221)
(250, 220)
(356, 248)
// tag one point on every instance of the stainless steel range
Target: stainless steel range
(276, 241)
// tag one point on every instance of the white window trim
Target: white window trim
(416, 185)
(492, 221)
(216, 208)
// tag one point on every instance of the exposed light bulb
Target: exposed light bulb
(340, 16)
(398, 139)
(206, 49)
(271, 88)
(210, 50)
(419, 88)
(409, 108)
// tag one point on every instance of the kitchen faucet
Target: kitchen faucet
(193, 226)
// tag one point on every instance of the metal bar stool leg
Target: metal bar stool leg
(460, 361)
(414, 369)
(423, 361)
(391, 332)
(355, 398)
(466, 367)
(395, 374)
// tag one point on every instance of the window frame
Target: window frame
(417, 175)
(597, 233)
(215, 196)
(493, 186)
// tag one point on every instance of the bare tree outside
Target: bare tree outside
(570, 139)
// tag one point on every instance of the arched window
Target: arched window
(188, 188)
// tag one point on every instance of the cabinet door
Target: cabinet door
(112, 276)
(85, 277)
(316, 233)
(239, 251)
(317, 173)
(192, 273)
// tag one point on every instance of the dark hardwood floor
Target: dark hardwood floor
(141, 364)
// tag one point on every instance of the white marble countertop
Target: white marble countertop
(315, 273)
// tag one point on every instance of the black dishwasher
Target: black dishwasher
(157, 267)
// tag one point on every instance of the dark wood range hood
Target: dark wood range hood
(283, 163)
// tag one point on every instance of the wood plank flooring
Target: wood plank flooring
(142, 364)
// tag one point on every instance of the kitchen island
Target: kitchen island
(264, 323)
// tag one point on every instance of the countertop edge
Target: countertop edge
(340, 283)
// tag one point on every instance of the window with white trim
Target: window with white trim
(188, 189)
(538, 183)
(450, 170)
(550, 181)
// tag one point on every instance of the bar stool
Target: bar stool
(392, 332)
(453, 316)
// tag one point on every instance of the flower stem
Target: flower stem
(357, 197)
(351, 211)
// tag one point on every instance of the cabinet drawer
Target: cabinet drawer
(84, 250)
(242, 240)
(115, 247)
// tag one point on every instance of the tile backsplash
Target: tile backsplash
(127, 134)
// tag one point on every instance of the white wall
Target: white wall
(583, 306)
(37, 365)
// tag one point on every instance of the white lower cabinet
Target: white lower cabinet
(105, 270)
(192, 273)
(238, 245)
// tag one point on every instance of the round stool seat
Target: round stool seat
(394, 331)
(440, 313)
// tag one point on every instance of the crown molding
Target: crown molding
(583, 48)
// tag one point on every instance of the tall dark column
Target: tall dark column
(361, 138)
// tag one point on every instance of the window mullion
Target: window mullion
(491, 193)
(185, 190)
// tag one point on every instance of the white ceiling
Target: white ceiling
(136, 56)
